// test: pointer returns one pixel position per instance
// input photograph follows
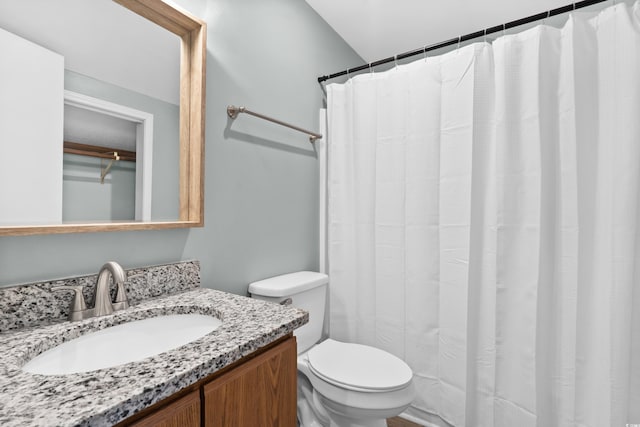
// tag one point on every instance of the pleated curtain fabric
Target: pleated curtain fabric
(483, 224)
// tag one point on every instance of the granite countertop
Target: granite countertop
(108, 396)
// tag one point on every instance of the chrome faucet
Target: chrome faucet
(102, 301)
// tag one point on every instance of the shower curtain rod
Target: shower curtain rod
(470, 36)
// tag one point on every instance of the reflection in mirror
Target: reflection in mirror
(98, 142)
(101, 136)
(104, 51)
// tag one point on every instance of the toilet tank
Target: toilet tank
(307, 290)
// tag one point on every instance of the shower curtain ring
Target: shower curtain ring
(395, 60)
(459, 39)
(424, 52)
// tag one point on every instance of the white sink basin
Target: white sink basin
(124, 343)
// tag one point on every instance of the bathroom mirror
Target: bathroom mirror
(189, 142)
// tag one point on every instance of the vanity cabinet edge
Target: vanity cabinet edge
(275, 362)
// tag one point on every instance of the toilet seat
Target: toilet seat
(358, 367)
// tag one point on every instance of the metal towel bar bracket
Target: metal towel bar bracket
(233, 111)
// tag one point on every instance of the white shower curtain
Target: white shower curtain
(483, 212)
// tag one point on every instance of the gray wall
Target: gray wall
(261, 194)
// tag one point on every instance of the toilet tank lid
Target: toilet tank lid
(288, 284)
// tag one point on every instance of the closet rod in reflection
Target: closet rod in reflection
(98, 151)
(233, 111)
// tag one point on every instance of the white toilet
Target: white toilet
(339, 384)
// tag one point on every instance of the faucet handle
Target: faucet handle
(78, 305)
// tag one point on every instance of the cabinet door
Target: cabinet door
(184, 412)
(261, 392)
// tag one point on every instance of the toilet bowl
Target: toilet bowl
(339, 384)
(357, 385)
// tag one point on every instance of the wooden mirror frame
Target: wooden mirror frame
(193, 33)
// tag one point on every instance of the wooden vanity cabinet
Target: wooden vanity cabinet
(186, 411)
(259, 390)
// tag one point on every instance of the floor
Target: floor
(399, 422)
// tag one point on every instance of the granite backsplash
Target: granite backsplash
(35, 304)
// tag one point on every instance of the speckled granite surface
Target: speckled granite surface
(107, 396)
(34, 304)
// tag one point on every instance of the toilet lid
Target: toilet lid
(357, 366)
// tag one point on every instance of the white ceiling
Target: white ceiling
(377, 29)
